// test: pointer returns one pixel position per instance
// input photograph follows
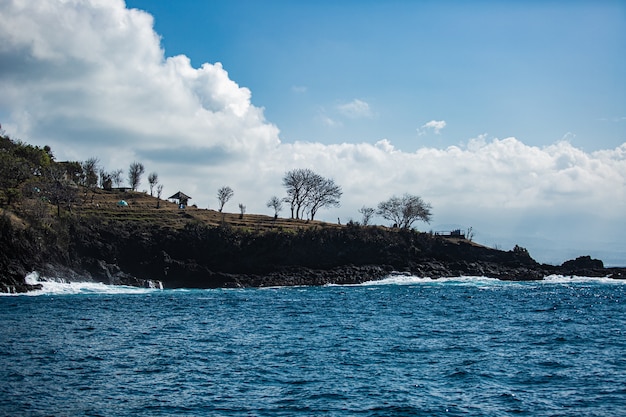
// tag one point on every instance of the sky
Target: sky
(507, 117)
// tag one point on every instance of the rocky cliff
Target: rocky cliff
(204, 256)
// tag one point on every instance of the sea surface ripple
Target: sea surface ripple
(403, 347)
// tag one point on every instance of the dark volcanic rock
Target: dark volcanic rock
(582, 262)
(583, 266)
(199, 256)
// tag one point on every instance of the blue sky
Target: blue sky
(539, 71)
(507, 117)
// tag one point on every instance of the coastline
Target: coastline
(197, 255)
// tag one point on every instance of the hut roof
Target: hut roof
(180, 196)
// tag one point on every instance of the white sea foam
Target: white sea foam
(563, 279)
(60, 286)
(404, 279)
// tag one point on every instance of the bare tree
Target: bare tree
(367, 213)
(323, 193)
(153, 179)
(297, 183)
(90, 172)
(307, 190)
(135, 172)
(223, 195)
(159, 190)
(405, 210)
(242, 210)
(470, 233)
(58, 189)
(276, 204)
(116, 177)
(106, 181)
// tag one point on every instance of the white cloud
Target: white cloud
(613, 119)
(299, 89)
(355, 109)
(327, 120)
(92, 80)
(434, 125)
(98, 67)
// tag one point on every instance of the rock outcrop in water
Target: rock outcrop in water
(201, 256)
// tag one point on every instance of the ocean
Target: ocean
(404, 346)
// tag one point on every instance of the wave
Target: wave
(569, 279)
(60, 286)
(404, 279)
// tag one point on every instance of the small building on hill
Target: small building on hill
(181, 198)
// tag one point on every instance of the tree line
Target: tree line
(308, 192)
(31, 171)
(27, 170)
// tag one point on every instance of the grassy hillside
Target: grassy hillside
(143, 208)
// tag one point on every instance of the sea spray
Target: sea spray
(62, 286)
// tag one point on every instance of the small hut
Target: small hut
(181, 198)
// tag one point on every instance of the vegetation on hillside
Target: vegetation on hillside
(32, 181)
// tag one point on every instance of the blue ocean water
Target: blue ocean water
(402, 347)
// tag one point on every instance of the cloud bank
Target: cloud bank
(90, 79)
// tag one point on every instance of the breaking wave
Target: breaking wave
(405, 279)
(60, 286)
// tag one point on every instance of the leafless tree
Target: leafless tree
(106, 180)
(307, 190)
(367, 213)
(223, 195)
(153, 179)
(405, 210)
(297, 183)
(242, 210)
(116, 177)
(58, 189)
(470, 233)
(90, 172)
(276, 204)
(159, 190)
(135, 172)
(324, 193)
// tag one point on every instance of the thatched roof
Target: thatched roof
(180, 196)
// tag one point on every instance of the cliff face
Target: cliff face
(201, 256)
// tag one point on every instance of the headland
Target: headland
(154, 242)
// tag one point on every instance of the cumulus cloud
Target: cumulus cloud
(91, 79)
(355, 109)
(72, 68)
(434, 125)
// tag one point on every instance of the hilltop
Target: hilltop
(142, 208)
